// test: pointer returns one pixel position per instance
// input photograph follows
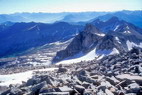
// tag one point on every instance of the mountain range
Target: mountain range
(50, 17)
(73, 17)
(129, 16)
(102, 38)
(19, 37)
(104, 33)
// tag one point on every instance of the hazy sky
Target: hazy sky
(12, 6)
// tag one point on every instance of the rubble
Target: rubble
(112, 75)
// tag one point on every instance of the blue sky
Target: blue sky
(12, 6)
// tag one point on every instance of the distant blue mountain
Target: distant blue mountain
(134, 17)
(77, 17)
(18, 33)
(22, 36)
(81, 18)
(50, 17)
(113, 24)
(35, 17)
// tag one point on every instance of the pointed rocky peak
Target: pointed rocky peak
(89, 28)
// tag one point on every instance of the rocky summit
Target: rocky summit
(82, 42)
(119, 74)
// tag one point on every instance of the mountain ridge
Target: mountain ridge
(121, 40)
(22, 36)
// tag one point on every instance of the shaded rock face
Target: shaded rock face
(82, 42)
(73, 48)
(90, 35)
(109, 42)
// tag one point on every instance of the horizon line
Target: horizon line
(67, 12)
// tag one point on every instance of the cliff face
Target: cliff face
(84, 41)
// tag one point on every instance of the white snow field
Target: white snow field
(88, 57)
(17, 78)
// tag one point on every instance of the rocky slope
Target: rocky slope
(119, 74)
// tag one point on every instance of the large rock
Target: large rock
(88, 92)
(36, 88)
(79, 88)
(85, 84)
(88, 79)
(13, 91)
(83, 72)
(113, 81)
(65, 89)
(133, 88)
(32, 81)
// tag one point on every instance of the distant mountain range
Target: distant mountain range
(19, 37)
(102, 38)
(112, 24)
(18, 33)
(133, 17)
(50, 17)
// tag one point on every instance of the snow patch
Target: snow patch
(100, 34)
(60, 43)
(127, 32)
(17, 78)
(127, 27)
(130, 45)
(116, 27)
(32, 27)
(41, 64)
(117, 39)
(89, 56)
(108, 92)
(114, 51)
